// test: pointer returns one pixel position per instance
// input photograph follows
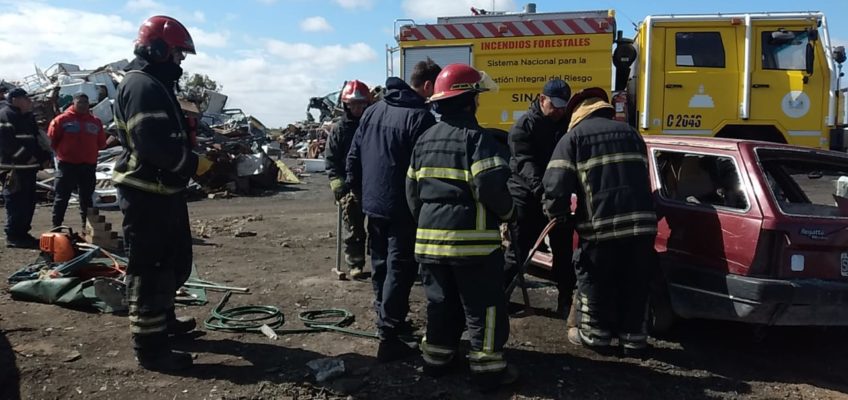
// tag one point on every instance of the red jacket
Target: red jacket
(76, 138)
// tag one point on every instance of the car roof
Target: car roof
(714, 143)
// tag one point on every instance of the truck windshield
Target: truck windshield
(784, 50)
(807, 183)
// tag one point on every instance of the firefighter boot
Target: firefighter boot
(154, 353)
(491, 381)
(180, 325)
(393, 349)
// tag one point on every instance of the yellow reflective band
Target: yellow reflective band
(617, 219)
(147, 330)
(138, 118)
(123, 178)
(562, 164)
(443, 173)
(485, 356)
(611, 158)
(457, 235)
(486, 163)
(455, 250)
(481, 217)
(631, 231)
(135, 319)
(489, 330)
(487, 367)
(410, 173)
(336, 184)
(435, 349)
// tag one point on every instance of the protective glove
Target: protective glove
(339, 188)
(203, 165)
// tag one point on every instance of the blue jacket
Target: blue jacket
(381, 149)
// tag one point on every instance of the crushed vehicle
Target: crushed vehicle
(748, 231)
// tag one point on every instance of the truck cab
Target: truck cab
(760, 76)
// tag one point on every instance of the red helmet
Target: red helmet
(355, 91)
(159, 35)
(456, 79)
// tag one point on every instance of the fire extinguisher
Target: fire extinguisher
(619, 102)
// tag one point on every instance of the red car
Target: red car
(748, 231)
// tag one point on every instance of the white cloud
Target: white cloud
(199, 16)
(315, 24)
(143, 5)
(203, 39)
(354, 4)
(448, 8)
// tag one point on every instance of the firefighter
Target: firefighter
(355, 98)
(456, 188)
(75, 136)
(376, 170)
(21, 157)
(604, 162)
(151, 174)
(532, 140)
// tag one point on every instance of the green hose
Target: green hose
(251, 318)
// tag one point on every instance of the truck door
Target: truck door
(779, 95)
(701, 85)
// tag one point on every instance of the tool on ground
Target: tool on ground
(208, 285)
(58, 244)
(338, 269)
(253, 318)
(519, 280)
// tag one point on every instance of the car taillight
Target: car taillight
(769, 253)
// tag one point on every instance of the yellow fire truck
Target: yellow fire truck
(766, 76)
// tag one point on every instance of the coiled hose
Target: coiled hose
(251, 319)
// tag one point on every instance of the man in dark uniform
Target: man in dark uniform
(151, 175)
(21, 157)
(355, 98)
(456, 189)
(376, 169)
(604, 162)
(532, 140)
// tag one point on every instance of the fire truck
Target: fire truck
(767, 76)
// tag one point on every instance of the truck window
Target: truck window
(782, 53)
(806, 184)
(699, 49)
(700, 179)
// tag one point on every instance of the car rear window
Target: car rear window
(807, 183)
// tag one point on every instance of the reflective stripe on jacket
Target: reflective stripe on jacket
(604, 162)
(456, 189)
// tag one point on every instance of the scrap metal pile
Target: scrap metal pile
(238, 142)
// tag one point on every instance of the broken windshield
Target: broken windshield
(807, 183)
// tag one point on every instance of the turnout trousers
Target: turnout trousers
(393, 270)
(472, 296)
(19, 196)
(613, 278)
(69, 177)
(158, 239)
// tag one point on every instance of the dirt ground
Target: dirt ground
(47, 352)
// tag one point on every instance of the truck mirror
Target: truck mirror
(624, 54)
(782, 36)
(812, 34)
(811, 58)
(839, 54)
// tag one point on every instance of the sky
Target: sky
(271, 56)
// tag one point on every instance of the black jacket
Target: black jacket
(379, 155)
(338, 145)
(19, 147)
(604, 162)
(531, 141)
(456, 190)
(157, 154)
